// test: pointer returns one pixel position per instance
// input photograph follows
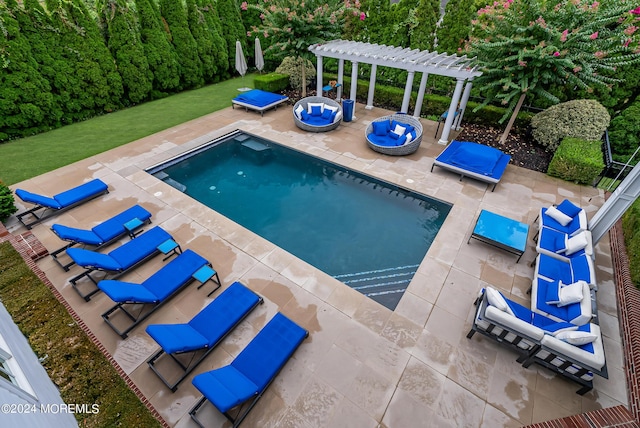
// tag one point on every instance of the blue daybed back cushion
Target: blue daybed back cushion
(475, 157)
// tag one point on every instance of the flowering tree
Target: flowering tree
(524, 47)
(291, 26)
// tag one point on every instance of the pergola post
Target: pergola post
(318, 76)
(463, 103)
(407, 92)
(444, 137)
(354, 81)
(340, 79)
(420, 99)
(372, 87)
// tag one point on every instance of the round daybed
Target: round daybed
(311, 121)
(379, 137)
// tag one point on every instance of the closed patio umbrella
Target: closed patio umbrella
(259, 57)
(241, 64)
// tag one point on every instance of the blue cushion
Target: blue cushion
(519, 311)
(36, 199)
(316, 111)
(384, 141)
(174, 275)
(304, 116)
(82, 192)
(177, 337)
(120, 291)
(140, 248)
(381, 128)
(569, 208)
(581, 268)
(114, 227)
(263, 357)
(93, 259)
(409, 128)
(326, 114)
(77, 235)
(225, 387)
(476, 157)
(394, 136)
(259, 98)
(551, 291)
(552, 268)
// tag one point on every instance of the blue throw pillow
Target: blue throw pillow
(381, 128)
(394, 136)
(326, 114)
(553, 295)
(304, 115)
(568, 208)
(409, 129)
(316, 111)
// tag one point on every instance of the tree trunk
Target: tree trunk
(304, 77)
(516, 110)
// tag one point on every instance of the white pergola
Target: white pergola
(461, 68)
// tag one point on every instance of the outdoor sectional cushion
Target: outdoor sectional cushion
(66, 198)
(577, 224)
(476, 158)
(576, 313)
(259, 98)
(575, 268)
(590, 354)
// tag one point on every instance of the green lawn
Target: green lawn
(32, 156)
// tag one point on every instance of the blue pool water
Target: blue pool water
(368, 234)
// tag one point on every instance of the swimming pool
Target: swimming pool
(369, 234)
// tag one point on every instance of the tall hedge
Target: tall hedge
(229, 12)
(204, 40)
(123, 40)
(161, 57)
(427, 14)
(220, 50)
(26, 103)
(175, 16)
(455, 26)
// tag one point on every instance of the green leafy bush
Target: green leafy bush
(624, 132)
(7, 205)
(272, 82)
(631, 231)
(586, 119)
(293, 68)
(577, 160)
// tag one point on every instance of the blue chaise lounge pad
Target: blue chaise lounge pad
(124, 256)
(210, 325)
(158, 286)
(66, 198)
(253, 369)
(259, 98)
(105, 231)
(474, 160)
(475, 157)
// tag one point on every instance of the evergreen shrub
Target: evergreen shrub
(272, 82)
(586, 119)
(577, 160)
(7, 204)
(624, 132)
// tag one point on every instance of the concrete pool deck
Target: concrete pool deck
(363, 365)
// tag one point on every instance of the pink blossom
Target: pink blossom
(362, 16)
(577, 69)
(626, 43)
(244, 5)
(262, 16)
(273, 8)
(265, 34)
(594, 36)
(595, 5)
(630, 30)
(522, 63)
(599, 54)
(635, 11)
(563, 38)
(355, 13)
(556, 53)
(248, 33)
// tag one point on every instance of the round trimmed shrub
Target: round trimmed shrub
(293, 68)
(584, 119)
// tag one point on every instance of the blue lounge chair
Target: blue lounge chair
(144, 299)
(258, 100)
(46, 207)
(107, 232)
(189, 344)
(474, 160)
(123, 258)
(544, 295)
(247, 377)
(574, 215)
